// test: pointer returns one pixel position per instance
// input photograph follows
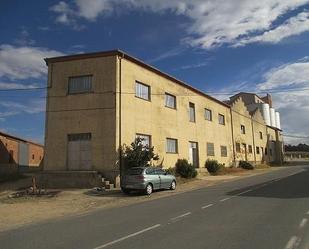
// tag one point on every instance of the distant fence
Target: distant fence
(296, 156)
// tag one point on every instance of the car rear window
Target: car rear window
(135, 171)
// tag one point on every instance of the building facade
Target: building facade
(17, 154)
(97, 102)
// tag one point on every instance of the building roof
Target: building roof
(19, 139)
(134, 60)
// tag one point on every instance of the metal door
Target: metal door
(23, 154)
(79, 151)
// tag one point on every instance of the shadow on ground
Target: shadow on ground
(290, 187)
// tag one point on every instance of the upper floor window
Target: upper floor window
(170, 101)
(243, 129)
(191, 112)
(261, 135)
(221, 119)
(208, 114)
(146, 139)
(142, 91)
(171, 145)
(80, 84)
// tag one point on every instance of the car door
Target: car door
(153, 178)
(165, 180)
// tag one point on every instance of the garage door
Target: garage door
(79, 151)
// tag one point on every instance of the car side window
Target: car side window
(150, 171)
(160, 172)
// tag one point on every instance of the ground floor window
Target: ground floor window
(146, 139)
(210, 149)
(223, 151)
(171, 145)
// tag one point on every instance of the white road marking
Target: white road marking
(292, 242)
(225, 199)
(181, 216)
(303, 223)
(127, 237)
(245, 191)
(207, 206)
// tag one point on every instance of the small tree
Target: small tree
(137, 154)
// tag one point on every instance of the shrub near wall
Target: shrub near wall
(246, 165)
(185, 169)
(213, 166)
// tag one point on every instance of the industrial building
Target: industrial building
(19, 155)
(97, 102)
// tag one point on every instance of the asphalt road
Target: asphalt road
(266, 211)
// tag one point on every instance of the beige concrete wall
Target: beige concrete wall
(242, 117)
(153, 118)
(259, 126)
(81, 113)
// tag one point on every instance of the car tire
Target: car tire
(173, 185)
(125, 191)
(148, 189)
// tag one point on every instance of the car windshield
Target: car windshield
(135, 171)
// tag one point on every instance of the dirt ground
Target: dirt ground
(16, 212)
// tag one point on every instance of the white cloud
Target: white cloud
(293, 26)
(31, 107)
(24, 62)
(10, 85)
(287, 75)
(213, 23)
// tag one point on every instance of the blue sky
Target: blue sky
(220, 47)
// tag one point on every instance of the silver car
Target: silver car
(147, 180)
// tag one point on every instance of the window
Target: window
(32, 156)
(250, 149)
(223, 151)
(80, 84)
(191, 112)
(171, 145)
(79, 137)
(208, 114)
(265, 151)
(221, 119)
(238, 147)
(210, 149)
(242, 129)
(142, 91)
(261, 135)
(40, 158)
(170, 101)
(257, 150)
(146, 139)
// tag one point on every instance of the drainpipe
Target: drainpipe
(253, 140)
(119, 106)
(234, 153)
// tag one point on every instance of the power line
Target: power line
(294, 136)
(23, 89)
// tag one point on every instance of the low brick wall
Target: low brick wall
(8, 169)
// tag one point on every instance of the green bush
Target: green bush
(246, 165)
(213, 166)
(185, 169)
(171, 171)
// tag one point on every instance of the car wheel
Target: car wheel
(148, 189)
(125, 190)
(173, 185)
